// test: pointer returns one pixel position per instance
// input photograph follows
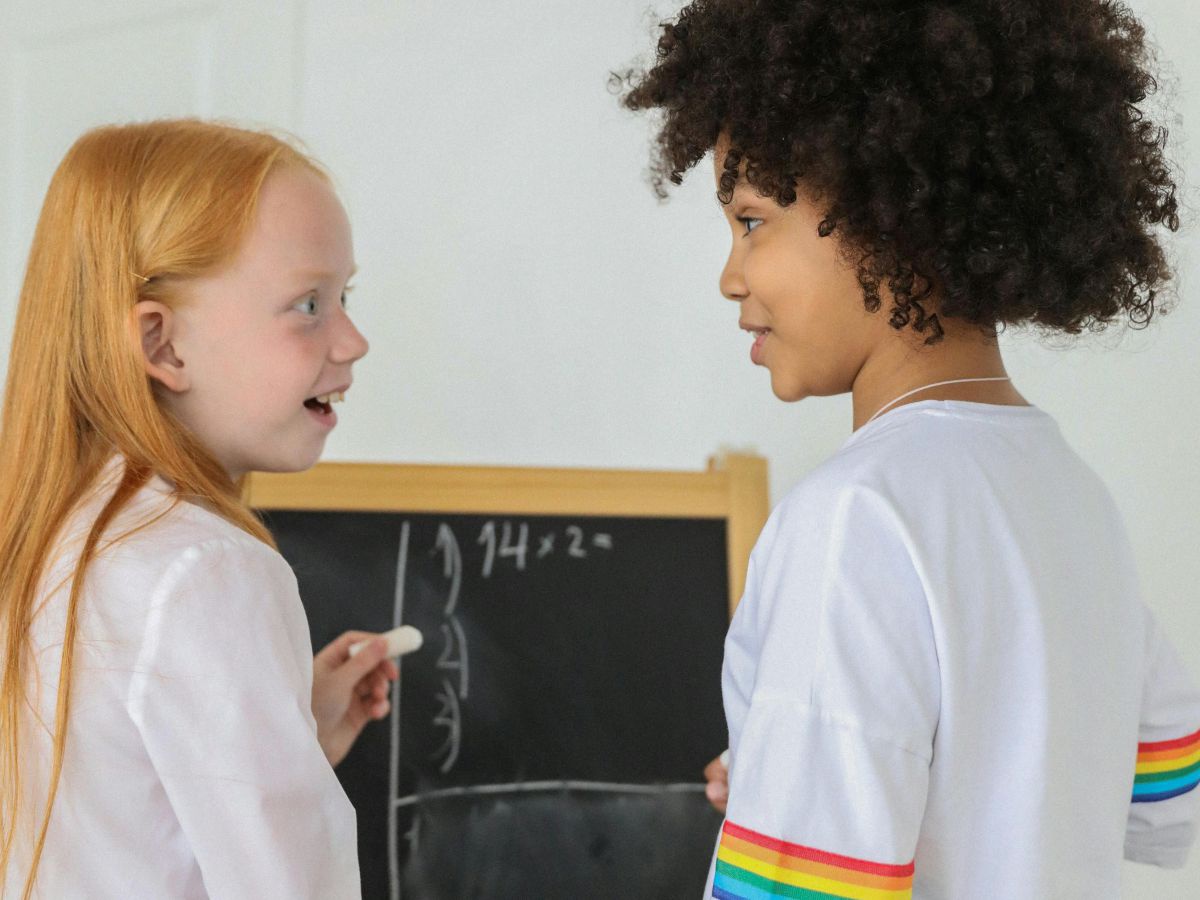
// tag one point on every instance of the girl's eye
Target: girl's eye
(346, 294)
(750, 223)
(307, 305)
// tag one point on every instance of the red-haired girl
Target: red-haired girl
(182, 322)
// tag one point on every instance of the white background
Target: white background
(527, 299)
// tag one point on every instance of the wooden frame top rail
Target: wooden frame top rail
(733, 487)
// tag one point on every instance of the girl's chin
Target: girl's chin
(788, 393)
(299, 461)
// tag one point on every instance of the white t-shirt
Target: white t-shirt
(192, 766)
(941, 679)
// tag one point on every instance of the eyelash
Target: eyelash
(746, 220)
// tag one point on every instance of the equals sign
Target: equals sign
(603, 541)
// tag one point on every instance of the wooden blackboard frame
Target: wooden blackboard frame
(733, 487)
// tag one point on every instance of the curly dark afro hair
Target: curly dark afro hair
(986, 154)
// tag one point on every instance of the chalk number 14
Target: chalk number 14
(518, 550)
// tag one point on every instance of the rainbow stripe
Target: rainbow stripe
(1166, 769)
(752, 866)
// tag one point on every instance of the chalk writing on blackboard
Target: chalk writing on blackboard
(449, 717)
(394, 756)
(504, 542)
(513, 542)
(525, 787)
(455, 655)
(582, 670)
(447, 544)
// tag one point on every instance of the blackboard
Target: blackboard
(548, 740)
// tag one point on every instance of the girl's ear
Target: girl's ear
(156, 324)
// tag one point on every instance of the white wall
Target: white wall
(527, 299)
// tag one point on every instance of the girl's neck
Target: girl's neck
(903, 366)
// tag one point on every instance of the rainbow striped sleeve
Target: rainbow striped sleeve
(752, 866)
(1166, 769)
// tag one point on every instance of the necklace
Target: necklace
(926, 387)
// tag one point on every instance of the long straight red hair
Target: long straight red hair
(132, 212)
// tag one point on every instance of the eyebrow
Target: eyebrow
(324, 275)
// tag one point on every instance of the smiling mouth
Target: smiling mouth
(756, 349)
(323, 403)
(759, 334)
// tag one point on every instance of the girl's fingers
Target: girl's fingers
(717, 793)
(371, 706)
(378, 687)
(384, 673)
(372, 685)
(338, 650)
(716, 771)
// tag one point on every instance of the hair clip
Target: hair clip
(136, 275)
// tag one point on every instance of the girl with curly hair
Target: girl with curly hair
(941, 680)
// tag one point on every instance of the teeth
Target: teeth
(331, 397)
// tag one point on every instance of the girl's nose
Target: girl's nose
(349, 345)
(733, 287)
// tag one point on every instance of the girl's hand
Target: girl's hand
(716, 773)
(349, 691)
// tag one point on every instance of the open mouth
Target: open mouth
(756, 349)
(323, 403)
(757, 331)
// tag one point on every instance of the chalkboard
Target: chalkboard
(548, 739)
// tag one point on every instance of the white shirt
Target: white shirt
(939, 676)
(192, 766)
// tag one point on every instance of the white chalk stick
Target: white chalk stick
(725, 758)
(400, 641)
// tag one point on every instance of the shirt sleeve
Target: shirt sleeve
(222, 699)
(829, 770)
(1165, 804)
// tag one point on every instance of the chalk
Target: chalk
(400, 641)
(725, 758)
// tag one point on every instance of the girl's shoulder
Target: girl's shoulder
(158, 532)
(164, 528)
(921, 454)
(163, 560)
